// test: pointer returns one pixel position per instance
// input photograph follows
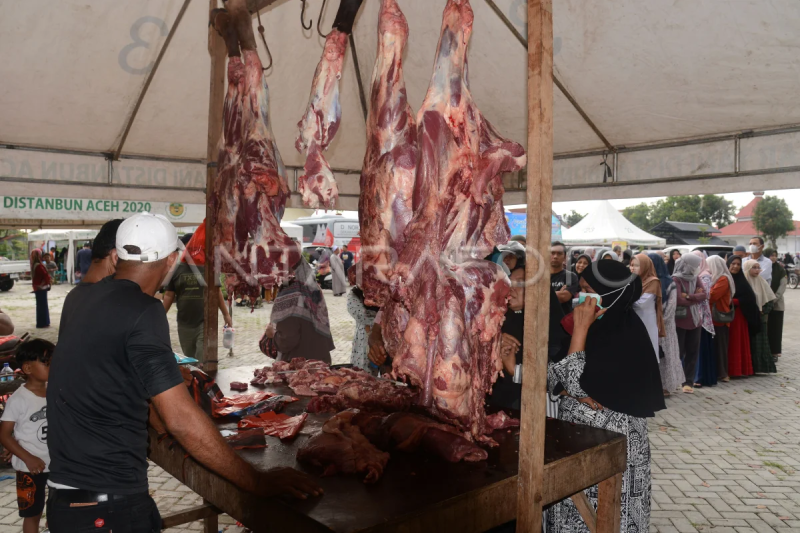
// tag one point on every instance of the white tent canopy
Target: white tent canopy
(707, 88)
(606, 225)
(76, 239)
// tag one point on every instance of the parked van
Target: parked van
(330, 231)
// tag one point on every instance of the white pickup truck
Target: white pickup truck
(10, 271)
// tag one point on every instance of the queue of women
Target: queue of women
(686, 322)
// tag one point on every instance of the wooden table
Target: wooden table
(416, 493)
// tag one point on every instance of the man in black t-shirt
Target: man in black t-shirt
(347, 258)
(114, 355)
(563, 282)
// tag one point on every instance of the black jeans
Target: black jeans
(131, 514)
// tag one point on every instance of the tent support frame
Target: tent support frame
(539, 207)
(218, 53)
(150, 77)
(556, 81)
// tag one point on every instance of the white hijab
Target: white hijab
(760, 286)
(719, 269)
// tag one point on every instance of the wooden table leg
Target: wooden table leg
(609, 505)
(211, 523)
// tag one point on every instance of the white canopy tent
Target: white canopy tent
(74, 237)
(606, 225)
(673, 96)
(653, 98)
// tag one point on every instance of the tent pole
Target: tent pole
(539, 207)
(217, 51)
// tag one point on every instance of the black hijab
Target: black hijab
(671, 263)
(624, 380)
(748, 305)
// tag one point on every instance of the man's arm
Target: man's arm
(223, 306)
(6, 325)
(201, 439)
(169, 297)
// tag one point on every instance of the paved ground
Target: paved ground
(724, 459)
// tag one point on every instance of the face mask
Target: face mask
(753, 249)
(568, 321)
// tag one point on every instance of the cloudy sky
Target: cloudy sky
(741, 199)
(792, 197)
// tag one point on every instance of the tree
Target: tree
(12, 244)
(639, 216)
(708, 209)
(573, 218)
(717, 210)
(773, 219)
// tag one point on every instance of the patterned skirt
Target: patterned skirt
(564, 517)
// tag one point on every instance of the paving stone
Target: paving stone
(726, 459)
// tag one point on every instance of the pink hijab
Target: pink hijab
(705, 270)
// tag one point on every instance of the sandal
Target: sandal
(698, 385)
(725, 379)
(688, 389)
(667, 394)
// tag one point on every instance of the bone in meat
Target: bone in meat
(250, 190)
(443, 322)
(319, 125)
(389, 170)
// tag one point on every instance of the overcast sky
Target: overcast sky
(741, 199)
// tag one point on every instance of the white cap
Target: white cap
(153, 234)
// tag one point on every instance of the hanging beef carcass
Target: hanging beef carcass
(321, 120)
(250, 191)
(390, 163)
(443, 321)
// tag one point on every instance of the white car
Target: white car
(709, 249)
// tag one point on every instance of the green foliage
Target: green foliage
(639, 216)
(773, 219)
(573, 218)
(708, 209)
(13, 244)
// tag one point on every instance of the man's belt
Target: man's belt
(73, 496)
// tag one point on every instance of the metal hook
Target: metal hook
(319, 20)
(264, 40)
(303, 17)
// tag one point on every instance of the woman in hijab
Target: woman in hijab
(722, 291)
(707, 359)
(763, 362)
(610, 255)
(746, 318)
(299, 324)
(674, 255)
(670, 365)
(627, 257)
(649, 306)
(778, 286)
(581, 263)
(339, 283)
(610, 388)
(41, 284)
(688, 315)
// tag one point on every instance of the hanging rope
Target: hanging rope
(303, 18)
(264, 40)
(607, 172)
